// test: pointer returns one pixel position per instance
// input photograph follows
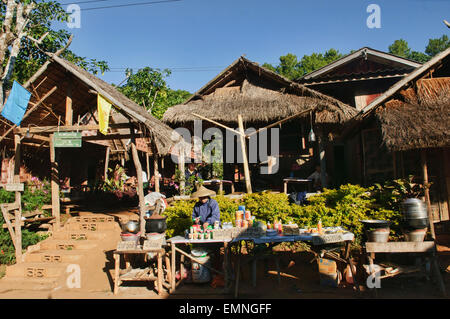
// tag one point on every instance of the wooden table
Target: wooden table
(295, 180)
(347, 239)
(179, 240)
(220, 182)
(427, 248)
(130, 274)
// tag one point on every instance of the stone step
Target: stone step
(92, 219)
(54, 256)
(91, 226)
(61, 244)
(34, 284)
(36, 270)
(80, 235)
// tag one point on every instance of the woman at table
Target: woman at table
(206, 211)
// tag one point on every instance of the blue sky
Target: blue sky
(211, 34)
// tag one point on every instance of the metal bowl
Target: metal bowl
(373, 223)
(131, 227)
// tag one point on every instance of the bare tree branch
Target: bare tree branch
(447, 23)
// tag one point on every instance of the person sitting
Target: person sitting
(316, 178)
(206, 211)
(189, 173)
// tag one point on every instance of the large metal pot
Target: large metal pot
(376, 230)
(414, 214)
(156, 225)
(373, 223)
(414, 208)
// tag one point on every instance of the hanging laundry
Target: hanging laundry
(104, 108)
(16, 104)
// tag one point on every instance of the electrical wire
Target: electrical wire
(120, 5)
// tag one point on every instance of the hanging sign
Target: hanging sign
(67, 139)
(19, 187)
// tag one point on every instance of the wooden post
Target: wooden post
(140, 190)
(147, 159)
(323, 162)
(54, 173)
(108, 151)
(423, 159)
(394, 163)
(18, 212)
(248, 182)
(69, 110)
(156, 172)
(182, 170)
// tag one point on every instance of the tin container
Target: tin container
(245, 224)
(248, 215)
(238, 223)
(239, 215)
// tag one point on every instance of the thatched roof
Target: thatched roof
(84, 86)
(259, 95)
(421, 119)
(158, 132)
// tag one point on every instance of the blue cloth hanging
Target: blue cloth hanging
(16, 104)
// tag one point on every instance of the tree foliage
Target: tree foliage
(148, 88)
(31, 56)
(292, 68)
(435, 46)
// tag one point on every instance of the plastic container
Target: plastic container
(200, 274)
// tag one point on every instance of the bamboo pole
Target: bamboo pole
(18, 212)
(423, 159)
(182, 169)
(108, 151)
(147, 160)
(55, 184)
(244, 155)
(156, 171)
(140, 189)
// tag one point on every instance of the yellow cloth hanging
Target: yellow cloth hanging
(104, 108)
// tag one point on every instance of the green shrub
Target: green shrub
(7, 251)
(344, 207)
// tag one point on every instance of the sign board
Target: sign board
(14, 187)
(67, 139)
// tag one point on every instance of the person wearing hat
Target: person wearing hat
(206, 210)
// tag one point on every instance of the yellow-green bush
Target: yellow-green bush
(344, 206)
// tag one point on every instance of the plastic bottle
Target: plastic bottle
(319, 226)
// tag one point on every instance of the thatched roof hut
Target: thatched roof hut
(84, 86)
(415, 112)
(421, 120)
(259, 95)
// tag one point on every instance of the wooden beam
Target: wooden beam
(181, 167)
(423, 159)
(69, 109)
(147, 160)
(281, 121)
(112, 137)
(18, 212)
(219, 124)
(400, 247)
(54, 175)
(248, 182)
(8, 224)
(140, 188)
(108, 150)
(30, 111)
(66, 128)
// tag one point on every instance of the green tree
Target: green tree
(22, 49)
(438, 45)
(400, 48)
(292, 68)
(148, 88)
